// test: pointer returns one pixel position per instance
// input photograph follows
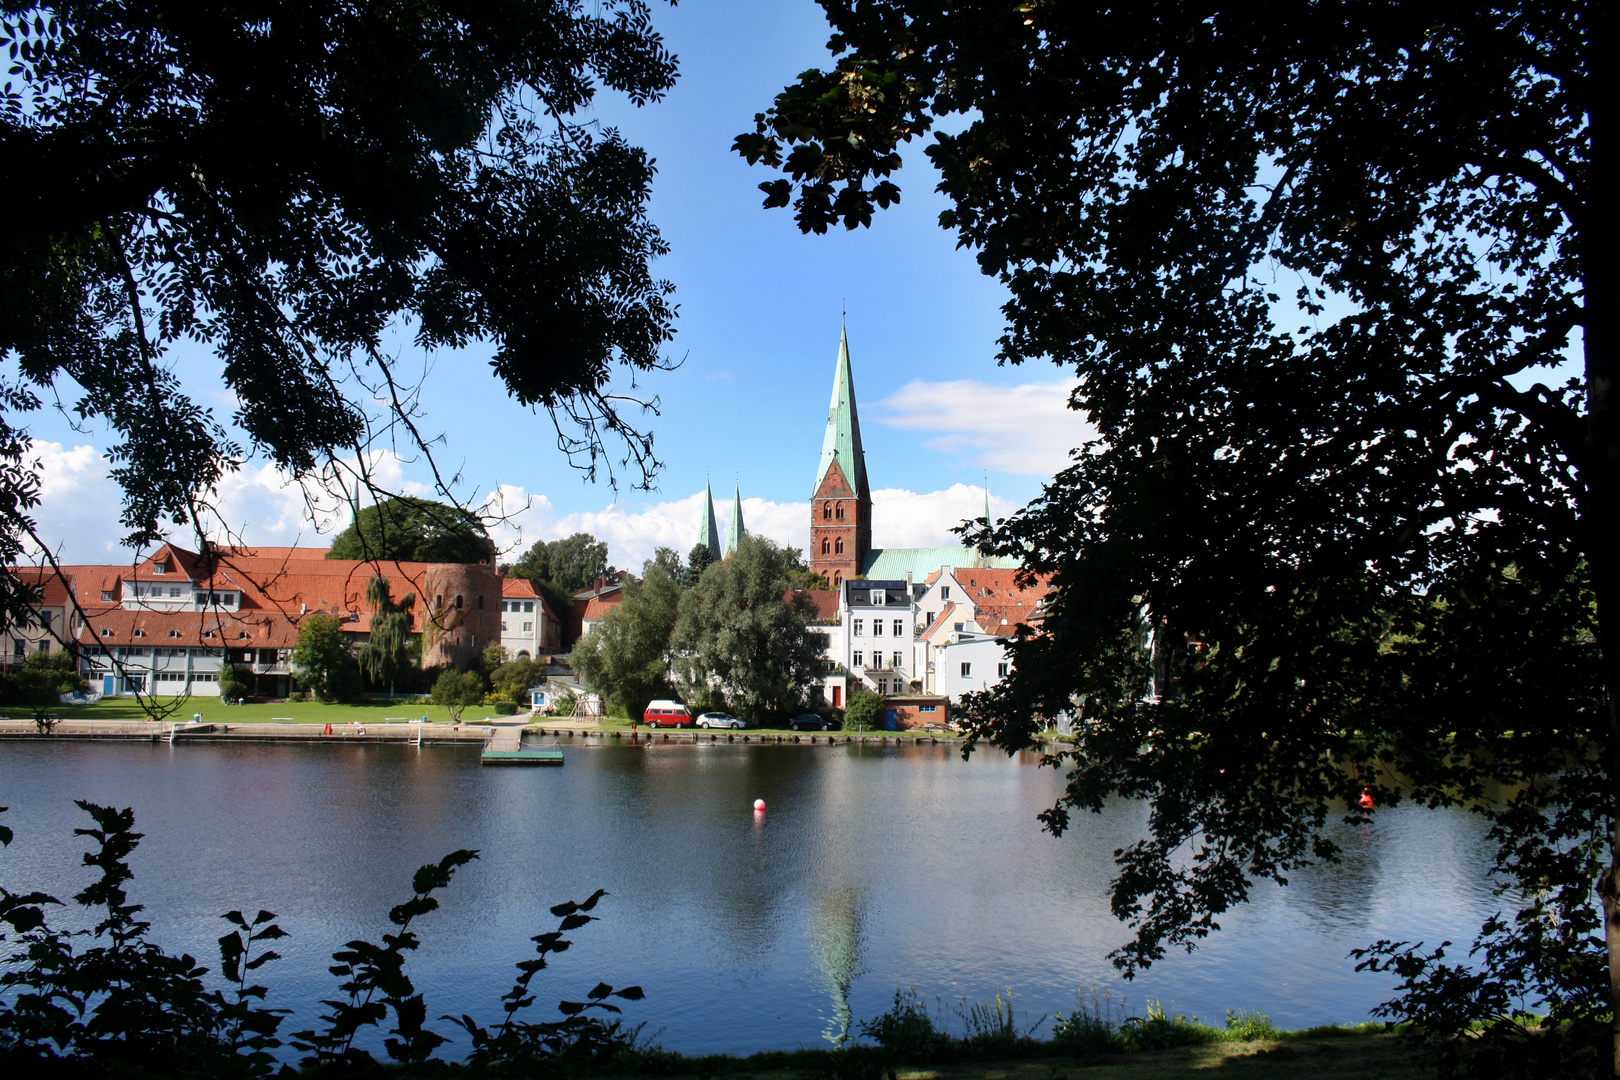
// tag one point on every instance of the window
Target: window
(899, 627)
(174, 590)
(160, 568)
(528, 628)
(140, 633)
(945, 592)
(19, 647)
(106, 631)
(458, 601)
(838, 546)
(897, 661)
(877, 627)
(241, 635)
(45, 618)
(967, 669)
(169, 676)
(45, 645)
(928, 618)
(860, 625)
(503, 626)
(883, 686)
(1001, 671)
(927, 708)
(106, 596)
(839, 513)
(203, 676)
(857, 660)
(528, 606)
(208, 633)
(826, 511)
(174, 633)
(480, 603)
(826, 545)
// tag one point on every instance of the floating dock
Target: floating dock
(522, 757)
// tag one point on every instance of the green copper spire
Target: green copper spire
(842, 442)
(708, 528)
(735, 532)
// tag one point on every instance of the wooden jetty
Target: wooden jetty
(521, 757)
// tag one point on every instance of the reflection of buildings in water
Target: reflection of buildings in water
(835, 944)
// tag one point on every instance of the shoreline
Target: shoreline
(463, 734)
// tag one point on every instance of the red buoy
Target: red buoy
(1366, 800)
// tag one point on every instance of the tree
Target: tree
(321, 657)
(560, 568)
(512, 679)
(863, 711)
(386, 654)
(738, 634)
(578, 561)
(42, 680)
(456, 690)
(1337, 540)
(235, 681)
(290, 186)
(626, 656)
(699, 559)
(409, 529)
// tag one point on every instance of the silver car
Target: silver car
(718, 720)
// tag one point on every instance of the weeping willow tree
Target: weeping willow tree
(388, 653)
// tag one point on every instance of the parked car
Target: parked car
(809, 721)
(664, 713)
(718, 720)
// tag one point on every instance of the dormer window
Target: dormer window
(241, 634)
(208, 634)
(106, 596)
(174, 633)
(106, 631)
(140, 633)
(160, 568)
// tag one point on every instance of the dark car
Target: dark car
(718, 720)
(809, 721)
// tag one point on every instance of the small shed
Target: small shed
(912, 711)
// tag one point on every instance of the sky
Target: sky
(760, 307)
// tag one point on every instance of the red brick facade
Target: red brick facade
(840, 528)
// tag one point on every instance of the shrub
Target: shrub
(1159, 1030)
(1092, 1028)
(235, 680)
(864, 711)
(906, 1031)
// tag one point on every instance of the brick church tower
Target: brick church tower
(841, 505)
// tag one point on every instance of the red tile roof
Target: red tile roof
(823, 601)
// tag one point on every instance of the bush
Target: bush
(906, 1031)
(1092, 1028)
(864, 712)
(457, 690)
(235, 681)
(111, 1002)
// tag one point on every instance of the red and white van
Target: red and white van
(667, 714)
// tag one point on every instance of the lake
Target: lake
(873, 868)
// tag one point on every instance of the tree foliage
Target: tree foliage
(386, 654)
(863, 711)
(560, 568)
(321, 658)
(743, 633)
(235, 680)
(408, 529)
(626, 655)
(42, 679)
(456, 690)
(110, 1001)
(292, 185)
(1312, 264)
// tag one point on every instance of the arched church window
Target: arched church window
(458, 601)
(826, 511)
(826, 545)
(838, 546)
(840, 512)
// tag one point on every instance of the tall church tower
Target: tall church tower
(841, 505)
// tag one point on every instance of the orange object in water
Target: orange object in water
(1366, 800)
(329, 729)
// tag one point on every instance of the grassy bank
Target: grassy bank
(215, 711)
(1342, 1053)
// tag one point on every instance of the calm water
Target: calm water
(874, 868)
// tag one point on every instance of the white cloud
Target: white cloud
(1026, 430)
(902, 518)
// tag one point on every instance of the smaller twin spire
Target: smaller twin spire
(709, 526)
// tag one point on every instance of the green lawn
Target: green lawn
(215, 711)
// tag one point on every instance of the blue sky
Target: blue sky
(757, 336)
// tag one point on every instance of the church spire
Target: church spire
(708, 527)
(735, 532)
(842, 441)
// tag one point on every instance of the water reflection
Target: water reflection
(835, 943)
(873, 868)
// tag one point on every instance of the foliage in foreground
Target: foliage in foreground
(108, 1001)
(1345, 520)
